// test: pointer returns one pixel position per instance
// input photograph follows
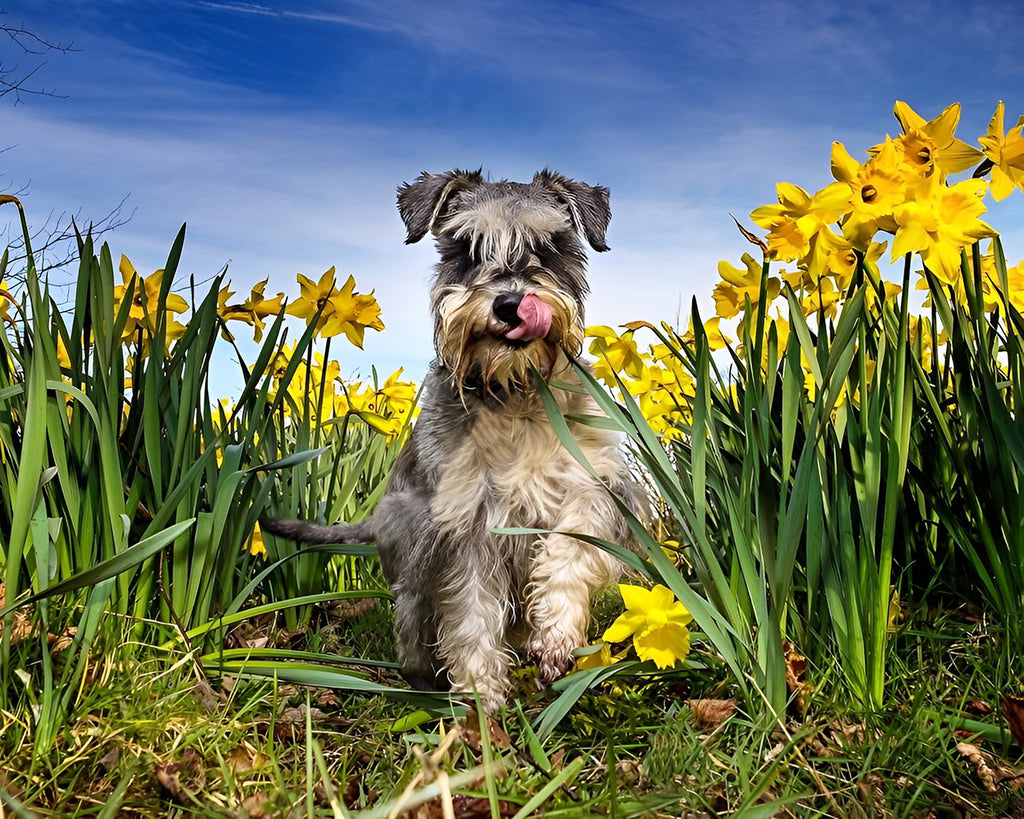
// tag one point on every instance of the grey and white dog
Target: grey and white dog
(507, 299)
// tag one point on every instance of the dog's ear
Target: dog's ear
(588, 205)
(423, 203)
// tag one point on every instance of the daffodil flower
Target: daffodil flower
(351, 313)
(717, 340)
(342, 311)
(657, 623)
(145, 306)
(256, 546)
(874, 189)
(596, 656)
(731, 293)
(614, 353)
(925, 146)
(5, 298)
(1006, 152)
(938, 221)
(794, 223)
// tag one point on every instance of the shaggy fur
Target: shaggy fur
(483, 454)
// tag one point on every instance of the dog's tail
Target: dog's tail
(306, 532)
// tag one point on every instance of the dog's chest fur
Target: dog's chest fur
(511, 470)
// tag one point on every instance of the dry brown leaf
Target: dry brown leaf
(291, 724)
(990, 770)
(796, 668)
(464, 807)
(21, 626)
(475, 807)
(472, 736)
(629, 773)
(15, 791)
(208, 699)
(62, 641)
(1013, 710)
(711, 713)
(718, 798)
(244, 757)
(328, 698)
(978, 707)
(183, 779)
(111, 758)
(871, 794)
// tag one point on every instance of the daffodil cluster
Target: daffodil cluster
(904, 188)
(336, 310)
(655, 377)
(903, 193)
(318, 393)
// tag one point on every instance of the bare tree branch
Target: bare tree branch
(14, 79)
(55, 242)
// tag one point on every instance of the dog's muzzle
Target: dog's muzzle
(527, 315)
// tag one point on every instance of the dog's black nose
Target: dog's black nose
(505, 307)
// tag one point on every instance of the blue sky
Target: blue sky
(279, 131)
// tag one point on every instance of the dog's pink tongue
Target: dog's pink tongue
(535, 317)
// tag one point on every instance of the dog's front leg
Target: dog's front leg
(472, 619)
(565, 572)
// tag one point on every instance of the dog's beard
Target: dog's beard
(471, 341)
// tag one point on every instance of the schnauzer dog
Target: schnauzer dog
(507, 302)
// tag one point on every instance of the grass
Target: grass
(152, 737)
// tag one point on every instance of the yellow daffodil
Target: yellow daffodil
(398, 395)
(822, 299)
(925, 146)
(597, 658)
(343, 311)
(717, 340)
(1006, 152)
(385, 409)
(992, 290)
(256, 546)
(874, 189)
(364, 403)
(308, 383)
(312, 297)
(5, 299)
(63, 357)
(260, 307)
(352, 313)
(657, 623)
(614, 353)
(731, 293)
(794, 223)
(145, 308)
(252, 311)
(1015, 284)
(938, 221)
(871, 299)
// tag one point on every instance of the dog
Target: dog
(508, 303)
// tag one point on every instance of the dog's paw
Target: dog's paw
(553, 654)
(492, 689)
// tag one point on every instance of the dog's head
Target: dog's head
(511, 281)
